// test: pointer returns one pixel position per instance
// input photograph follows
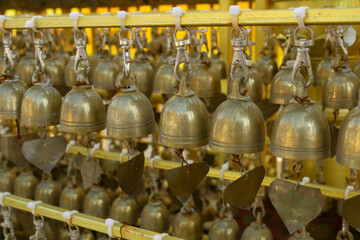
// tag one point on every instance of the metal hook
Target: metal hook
(181, 54)
(81, 54)
(125, 46)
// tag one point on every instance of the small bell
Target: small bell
(187, 225)
(154, 47)
(217, 62)
(301, 235)
(165, 82)
(48, 190)
(26, 68)
(225, 229)
(56, 69)
(154, 217)
(72, 197)
(70, 74)
(253, 85)
(257, 230)
(7, 177)
(125, 209)
(97, 202)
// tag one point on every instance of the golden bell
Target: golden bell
(40, 105)
(154, 217)
(225, 229)
(341, 91)
(19, 40)
(72, 197)
(301, 235)
(97, 202)
(144, 73)
(282, 90)
(125, 209)
(48, 191)
(104, 77)
(165, 81)
(356, 69)
(348, 147)
(253, 85)
(56, 68)
(161, 61)
(95, 60)
(11, 95)
(70, 74)
(267, 68)
(130, 112)
(257, 230)
(7, 178)
(324, 71)
(218, 63)
(237, 125)
(187, 225)
(184, 120)
(206, 81)
(26, 68)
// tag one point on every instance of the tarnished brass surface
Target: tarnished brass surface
(356, 69)
(7, 178)
(324, 70)
(257, 230)
(187, 225)
(267, 68)
(70, 74)
(225, 228)
(165, 81)
(48, 191)
(11, 95)
(104, 77)
(154, 217)
(205, 81)
(56, 69)
(26, 68)
(97, 202)
(145, 74)
(72, 197)
(219, 65)
(125, 209)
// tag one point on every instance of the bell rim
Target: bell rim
(134, 132)
(236, 148)
(186, 142)
(345, 159)
(82, 129)
(275, 99)
(9, 115)
(299, 154)
(340, 104)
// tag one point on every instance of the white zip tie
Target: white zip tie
(122, 16)
(160, 236)
(96, 147)
(2, 20)
(347, 191)
(305, 180)
(2, 195)
(350, 36)
(31, 23)
(70, 143)
(68, 216)
(177, 12)
(186, 154)
(109, 222)
(124, 152)
(32, 206)
(224, 168)
(75, 17)
(156, 157)
(234, 10)
(300, 14)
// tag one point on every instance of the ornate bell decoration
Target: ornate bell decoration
(290, 137)
(48, 190)
(26, 66)
(301, 235)
(97, 202)
(341, 91)
(217, 62)
(41, 103)
(142, 68)
(237, 125)
(125, 209)
(187, 225)
(82, 110)
(183, 109)
(106, 71)
(129, 113)
(205, 80)
(11, 90)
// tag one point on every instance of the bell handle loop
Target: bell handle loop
(125, 46)
(105, 40)
(203, 40)
(39, 54)
(120, 84)
(216, 48)
(35, 78)
(81, 54)
(181, 41)
(139, 45)
(235, 90)
(309, 42)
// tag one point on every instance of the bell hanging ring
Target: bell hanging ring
(97, 202)
(125, 209)
(301, 235)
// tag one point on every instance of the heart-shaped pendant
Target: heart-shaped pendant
(89, 169)
(351, 212)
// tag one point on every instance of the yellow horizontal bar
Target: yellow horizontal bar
(80, 219)
(327, 191)
(196, 18)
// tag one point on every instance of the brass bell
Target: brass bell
(94, 62)
(225, 229)
(324, 69)
(104, 77)
(129, 113)
(267, 68)
(118, 59)
(217, 62)
(301, 235)
(154, 217)
(144, 73)
(257, 230)
(165, 81)
(97, 202)
(7, 177)
(56, 68)
(154, 46)
(70, 74)
(72, 197)
(26, 68)
(48, 190)
(187, 225)
(125, 209)
(282, 90)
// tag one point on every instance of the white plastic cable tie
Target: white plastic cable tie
(122, 16)
(70, 143)
(109, 222)
(75, 17)
(3, 131)
(300, 14)
(2, 20)
(305, 180)
(234, 10)
(156, 157)
(186, 154)
(177, 12)
(224, 168)
(347, 191)
(160, 236)
(32, 206)
(96, 147)
(31, 23)
(2, 195)
(350, 36)
(124, 152)
(68, 216)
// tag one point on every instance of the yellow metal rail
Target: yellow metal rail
(196, 18)
(214, 173)
(81, 220)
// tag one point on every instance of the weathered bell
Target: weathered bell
(301, 235)
(154, 217)
(70, 74)
(7, 177)
(218, 63)
(56, 69)
(341, 91)
(348, 147)
(324, 71)
(237, 125)
(104, 77)
(125, 209)
(282, 90)
(11, 95)
(118, 59)
(165, 81)
(48, 190)
(356, 69)
(26, 68)
(144, 73)
(267, 68)
(225, 228)
(94, 62)
(97, 202)
(129, 113)
(257, 230)
(72, 197)
(187, 225)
